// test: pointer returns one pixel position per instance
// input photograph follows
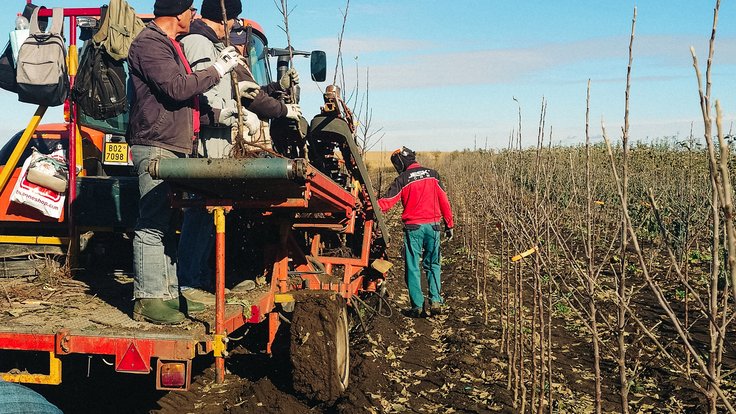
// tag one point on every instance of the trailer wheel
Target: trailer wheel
(320, 347)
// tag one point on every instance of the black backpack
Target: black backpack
(7, 70)
(99, 88)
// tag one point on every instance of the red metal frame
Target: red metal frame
(318, 189)
(64, 343)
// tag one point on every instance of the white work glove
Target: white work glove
(249, 89)
(228, 60)
(228, 116)
(293, 111)
(251, 122)
(290, 78)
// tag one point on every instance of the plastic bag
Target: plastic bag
(48, 170)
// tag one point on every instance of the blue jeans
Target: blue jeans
(198, 227)
(422, 244)
(195, 246)
(154, 243)
(16, 398)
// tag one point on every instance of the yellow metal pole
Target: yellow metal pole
(9, 167)
(219, 216)
(80, 155)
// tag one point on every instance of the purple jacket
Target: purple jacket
(162, 92)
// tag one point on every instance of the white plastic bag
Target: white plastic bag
(49, 202)
(50, 171)
(17, 37)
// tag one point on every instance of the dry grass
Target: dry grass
(376, 160)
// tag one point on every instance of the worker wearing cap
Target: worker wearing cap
(163, 121)
(202, 45)
(425, 205)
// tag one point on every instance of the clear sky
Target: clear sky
(444, 74)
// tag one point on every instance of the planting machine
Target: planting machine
(306, 230)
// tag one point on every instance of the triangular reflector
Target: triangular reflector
(132, 361)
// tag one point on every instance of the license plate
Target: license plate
(116, 153)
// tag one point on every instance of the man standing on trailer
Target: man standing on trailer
(425, 204)
(164, 118)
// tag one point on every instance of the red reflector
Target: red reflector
(173, 375)
(132, 361)
(67, 111)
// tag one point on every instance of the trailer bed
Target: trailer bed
(101, 309)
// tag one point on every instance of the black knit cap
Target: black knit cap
(171, 7)
(212, 10)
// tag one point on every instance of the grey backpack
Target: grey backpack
(42, 72)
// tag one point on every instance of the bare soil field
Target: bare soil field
(446, 363)
(459, 361)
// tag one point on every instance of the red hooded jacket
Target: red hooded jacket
(422, 195)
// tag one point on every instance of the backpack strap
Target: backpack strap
(33, 28)
(57, 22)
(104, 26)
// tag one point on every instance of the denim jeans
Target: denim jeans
(422, 244)
(154, 243)
(198, 228)
(17, 398)
(195, 246)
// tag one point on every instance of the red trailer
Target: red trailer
(325, 247)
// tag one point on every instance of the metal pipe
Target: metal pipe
(72, 158)
(228, 169)
(219, 217)
(72, 12)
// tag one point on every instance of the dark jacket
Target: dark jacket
(264, 105)
(422, 195)
(162, 92)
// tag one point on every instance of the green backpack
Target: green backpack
(118, 29)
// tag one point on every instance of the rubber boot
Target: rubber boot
(156, 311)
(185, 305)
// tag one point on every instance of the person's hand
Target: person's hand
(290, 78)
(293, 111)
(249, 89)
(228, 116)
(449, 234)
(251, 122)
(228, 60)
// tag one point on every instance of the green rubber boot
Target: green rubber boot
(185, 305)
(156, 311)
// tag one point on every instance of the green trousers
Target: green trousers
(422, 244)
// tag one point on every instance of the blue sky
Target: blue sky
(443, 74)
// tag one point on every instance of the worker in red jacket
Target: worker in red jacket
(425, 205)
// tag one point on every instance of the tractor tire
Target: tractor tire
(320, 347)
